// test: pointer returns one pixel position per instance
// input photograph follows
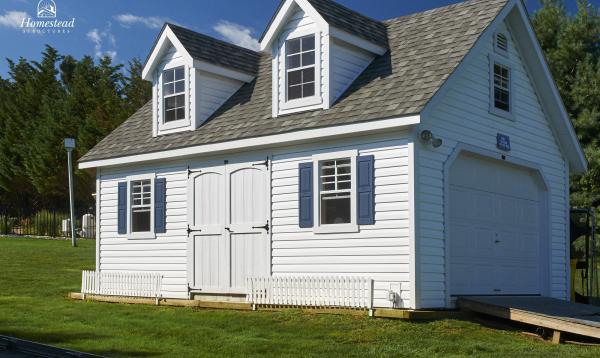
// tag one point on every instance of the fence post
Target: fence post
(371, 289)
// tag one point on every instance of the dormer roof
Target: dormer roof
(345, 19)
(217, 52)
(200, 48)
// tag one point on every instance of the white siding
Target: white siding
(380, 251)
(211, 92)
(463, 116)
(347, 62)
(167, 253)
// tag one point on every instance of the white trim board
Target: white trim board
(260, 142)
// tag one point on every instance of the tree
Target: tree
(41, 104)
(571, 44)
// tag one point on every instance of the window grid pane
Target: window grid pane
(335, 191)
(141, 205)
(300, 67)
(174, 94)
(501, 87)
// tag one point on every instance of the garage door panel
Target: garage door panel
(494, 228)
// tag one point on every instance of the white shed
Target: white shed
(430, 153)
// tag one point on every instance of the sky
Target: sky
(124, 29)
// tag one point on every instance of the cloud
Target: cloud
(99, 38)
(152, 22)
(13, 18)
(237, 34)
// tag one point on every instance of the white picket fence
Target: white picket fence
(311, 291)
(130, 284)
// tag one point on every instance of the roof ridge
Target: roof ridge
(170, 24)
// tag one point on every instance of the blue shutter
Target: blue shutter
(365, 190)
(122, 208)
(305, 195)
(160, 205)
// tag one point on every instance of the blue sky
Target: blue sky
(126, 29)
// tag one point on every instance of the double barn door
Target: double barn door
(228, 226)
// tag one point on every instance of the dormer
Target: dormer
(192, 75)
(318, 49)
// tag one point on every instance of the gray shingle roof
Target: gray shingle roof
(351, 21)
(217, 52)
(425, 48)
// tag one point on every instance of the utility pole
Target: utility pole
(69, 146)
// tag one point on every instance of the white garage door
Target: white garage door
(494, 228)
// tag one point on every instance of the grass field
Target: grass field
(36, 275)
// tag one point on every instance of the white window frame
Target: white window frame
(299, 103)
(319, 228)
(497, 49)
(181, 123)
(510, 114)
(140, 235)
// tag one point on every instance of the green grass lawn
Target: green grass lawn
(36, 275)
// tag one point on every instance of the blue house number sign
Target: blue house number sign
(503, 142)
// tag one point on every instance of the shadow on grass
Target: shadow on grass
(62, 339)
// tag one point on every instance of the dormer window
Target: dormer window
(174, 94)
(300, 67)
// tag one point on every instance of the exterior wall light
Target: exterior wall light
(428, 137)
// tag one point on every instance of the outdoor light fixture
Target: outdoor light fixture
(69, 146)
(428, 137)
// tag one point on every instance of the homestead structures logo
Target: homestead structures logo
(47, 23)
(47, 9)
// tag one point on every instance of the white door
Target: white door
(494, 228)
(207, 211)
(247, 224)
(228, 218)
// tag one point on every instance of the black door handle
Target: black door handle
(189, 230)
(228, 229)
(265, 226)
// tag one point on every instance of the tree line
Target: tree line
(43, 102)
(571, 44)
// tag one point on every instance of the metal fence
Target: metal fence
(47, 223)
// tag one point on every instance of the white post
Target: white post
(70, 145)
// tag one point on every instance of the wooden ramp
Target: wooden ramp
(558, 315)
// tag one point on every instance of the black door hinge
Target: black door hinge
(190, 172)
(265, 226)
(265, 163)
(189, 230)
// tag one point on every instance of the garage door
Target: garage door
(494, 228)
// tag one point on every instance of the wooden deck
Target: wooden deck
(557, 315)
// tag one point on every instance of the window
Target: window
(141, 205)
(501, 87)
(300, 67)
(174, 94)
(335, 191)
